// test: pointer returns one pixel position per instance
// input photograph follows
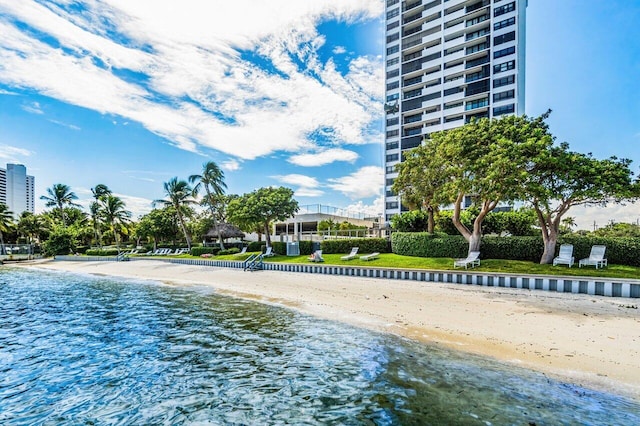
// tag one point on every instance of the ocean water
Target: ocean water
(87, 350)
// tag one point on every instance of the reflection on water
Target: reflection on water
(89, 350)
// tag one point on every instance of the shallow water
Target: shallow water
(91, 350)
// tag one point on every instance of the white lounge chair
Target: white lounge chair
(316, 256)
(371, 256)
(472, 259)
(565, 256)
(268, 252)
(596, 258)
(352, 255)
(243, 251)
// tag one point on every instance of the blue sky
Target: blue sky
(285, 92)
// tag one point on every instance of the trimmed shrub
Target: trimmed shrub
(423, 244)
(101, 252)
(620, 251)
(197, 251)
(365, 245)
(256, 246)
(232, 250)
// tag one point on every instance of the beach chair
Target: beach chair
(565, 256)
(352, 255)
(472, 259)
(268, 252)
(243, 251)
(371, 256)
(316, 256)
(596, 258)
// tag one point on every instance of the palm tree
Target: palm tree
(6, 221)
(100, 191)
(60, 195)
(212, 179)
(179, 195)
(114, 214)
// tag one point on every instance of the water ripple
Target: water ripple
(88, 350)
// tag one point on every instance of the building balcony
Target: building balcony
(459, 27)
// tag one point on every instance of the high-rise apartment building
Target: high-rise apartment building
(448, 61)
(17, 190)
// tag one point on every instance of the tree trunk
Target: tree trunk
(431, 222)
(213, 217)
(474, 242)
(184, 230)
(267, 234)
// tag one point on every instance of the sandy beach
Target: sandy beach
(585, 340)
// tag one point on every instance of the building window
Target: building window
(504, 38)
(412, 118)
(454, 118)
(453, 105)
(393, 49)
(393, 13)
(389, 181)
(391, 205)
(504, 24)
(479, 103)
(390, 169)
(506, 109)
(504, 52)
(393, 73)
(505, 66)
(504, 81)
(393, 61)
(393, 97)
(412, 131)
(412, 93)
(414, 80)
(392, 157)
(509, 94)
(393, 37)
(392, 145)
(393, 85)
(392, 2)
(392, 133)
(393, 25)
(453, 90)
(393, 121)
(504, 9)
(411, 56)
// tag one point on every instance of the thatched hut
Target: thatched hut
(227, 230)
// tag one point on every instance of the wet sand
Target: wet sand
(586, 340)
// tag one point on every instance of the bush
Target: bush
(102, 252)
(365, 245)
(411, 221)
(256, 246)
(61, 241)
(232, 250)
(197, 251)
(620, 251)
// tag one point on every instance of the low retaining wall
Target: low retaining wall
(580, 285)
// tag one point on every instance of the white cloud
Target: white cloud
(200, 91)
(363, 183)
(230, 165)
(374, 209)
(33, 108)
(339, 50)
(12, 154)
(324, 157)
(307, 186)
(70, 126)
(6, 92)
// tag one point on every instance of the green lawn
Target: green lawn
(390, 260)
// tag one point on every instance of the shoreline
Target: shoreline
(586, 340)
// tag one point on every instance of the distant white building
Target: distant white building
(17, 189)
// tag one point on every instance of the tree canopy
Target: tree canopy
(262, 206)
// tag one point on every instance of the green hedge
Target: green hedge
(306, 247)
(256, 246)
(101, 252)
(620, 251)
(365, 245)
(197, 251)
(231, 250)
